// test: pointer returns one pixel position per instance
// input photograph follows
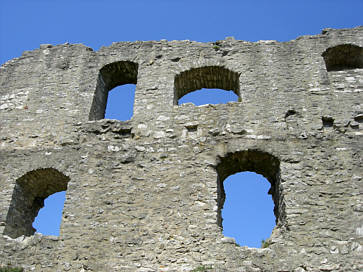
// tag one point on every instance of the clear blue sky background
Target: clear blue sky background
(26, 24)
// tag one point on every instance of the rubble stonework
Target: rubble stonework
(146, 194)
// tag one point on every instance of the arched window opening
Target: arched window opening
(49, 217)
(120, 102)
(343, 57)
(28, 197)
(261, 163)
(111, 76)
(248, 209)
(208, 96)
(209, 77)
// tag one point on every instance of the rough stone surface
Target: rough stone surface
(146, 194)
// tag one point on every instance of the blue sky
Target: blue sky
(26, 24)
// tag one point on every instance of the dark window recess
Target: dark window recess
(343, 57)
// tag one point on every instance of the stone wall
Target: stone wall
(146, 194)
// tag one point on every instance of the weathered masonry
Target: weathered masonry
(146, 194)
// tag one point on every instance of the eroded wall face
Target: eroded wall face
(145, 195)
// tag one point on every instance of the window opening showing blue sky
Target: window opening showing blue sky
(120, 102)
(247, 207)
(208, 96)
(49, 217)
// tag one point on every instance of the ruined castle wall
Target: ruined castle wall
(146, 194)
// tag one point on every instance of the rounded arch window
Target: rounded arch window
(208, 77)
(255, 161)
(111, 76)
(28, 197)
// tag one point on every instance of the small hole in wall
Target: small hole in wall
(120, 102)
(290, 113)
(248, 209)
(49, 217)
(192, 128)
(327, 121)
